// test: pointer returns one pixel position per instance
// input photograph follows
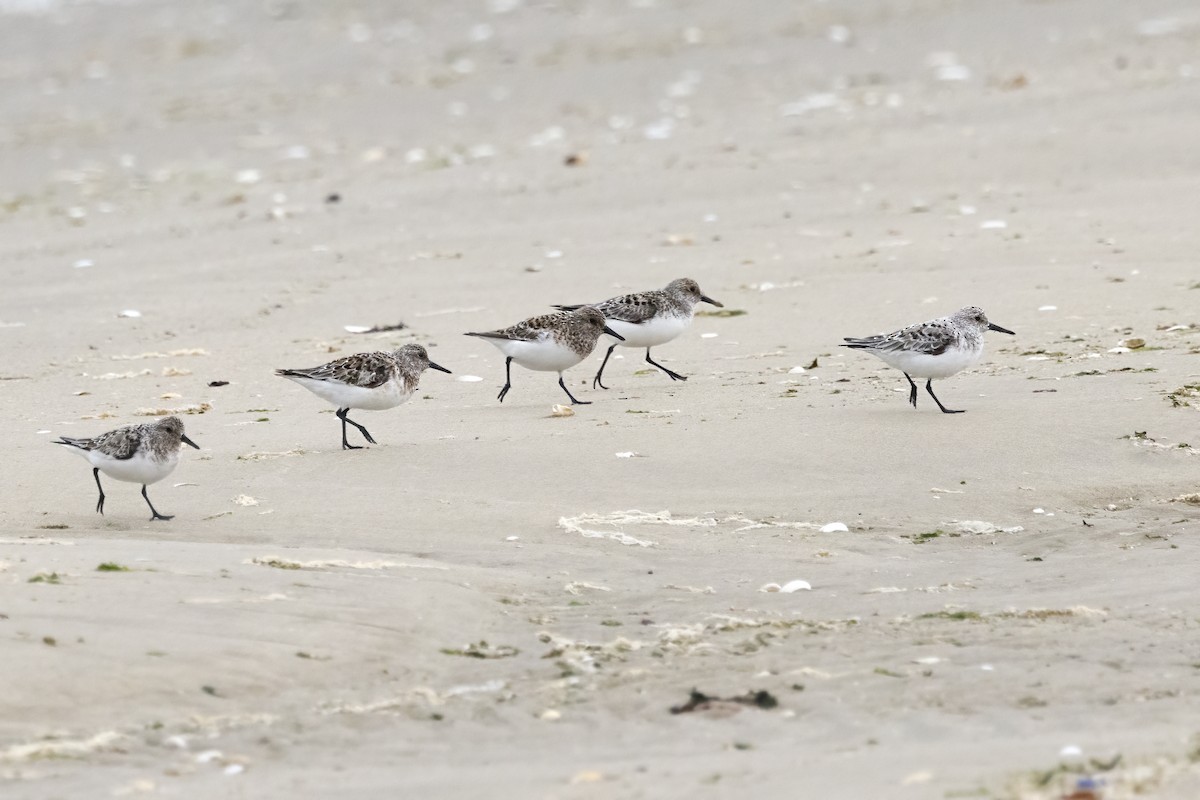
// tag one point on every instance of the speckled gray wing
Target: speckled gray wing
(120, 444)
(929, 338)
(632, 308)
(366, 370)
(531, 330)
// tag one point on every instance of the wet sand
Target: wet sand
(311, 621)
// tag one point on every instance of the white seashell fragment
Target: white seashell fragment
(356, 328)
(84, 263)
(248, 176)
(993, 224)
(838, 34)
(207, 756)
(1039, 511)
(659, 130)
(130, 313)
(953, 72)
(627, 454)
(1071, 751)
(796, 370)
(245, 500)
(557, 410)
(512, 538)
(709, 335)
(770, 587)
(813, 102)
(979, 526)
(1159, 26)
(795, 586)
(835, 527)
(234, 769)
(1047, 308)
(469, 378)
(1119, 350)
(927, 660)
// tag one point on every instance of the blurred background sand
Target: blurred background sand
(311, 622)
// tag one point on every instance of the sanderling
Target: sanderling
(370, 381)
(651, 318)
(549, 343)
(142, 454)
(935, 349)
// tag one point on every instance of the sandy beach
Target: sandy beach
(495, 601)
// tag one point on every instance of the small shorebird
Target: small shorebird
(935, 349)
(142, 454)
(370, 381)
(549, 343)
(647, 319)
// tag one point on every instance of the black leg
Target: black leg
(100, 503)
(507, 379)
(929, 388)
(152, 511)
(342, 412)
(675, 376)
(568, 391)
(596, 380)
(912, 395)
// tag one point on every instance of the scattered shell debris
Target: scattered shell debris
(558, 410)
(113, 376)
(185, 351)
(194, 408)
(130, 313)
(691, 589)
(979, 527)
(287, 563)
(61, 748)
(835, 527)
(245, 500)
(577, 587)
(469, 378)
(264, 456)
(787, 588)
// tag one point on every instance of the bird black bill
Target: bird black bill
(188, 441)
(710, 301)
(611, 332)
(998, 329)
(439, 368)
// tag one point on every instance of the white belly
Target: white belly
(380, 398)
(659, 330)
(139, 469)
(920, 365)
(546, 355)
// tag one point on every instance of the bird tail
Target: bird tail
(66, 441)
(858, 344)
(575, 307)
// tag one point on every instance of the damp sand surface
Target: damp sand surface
(874, 601)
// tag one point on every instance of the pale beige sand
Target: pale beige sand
(822, 181)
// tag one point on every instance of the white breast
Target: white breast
(546, 355)
(655, 331)
(922, 365)
(380, 398)
(138, 469)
